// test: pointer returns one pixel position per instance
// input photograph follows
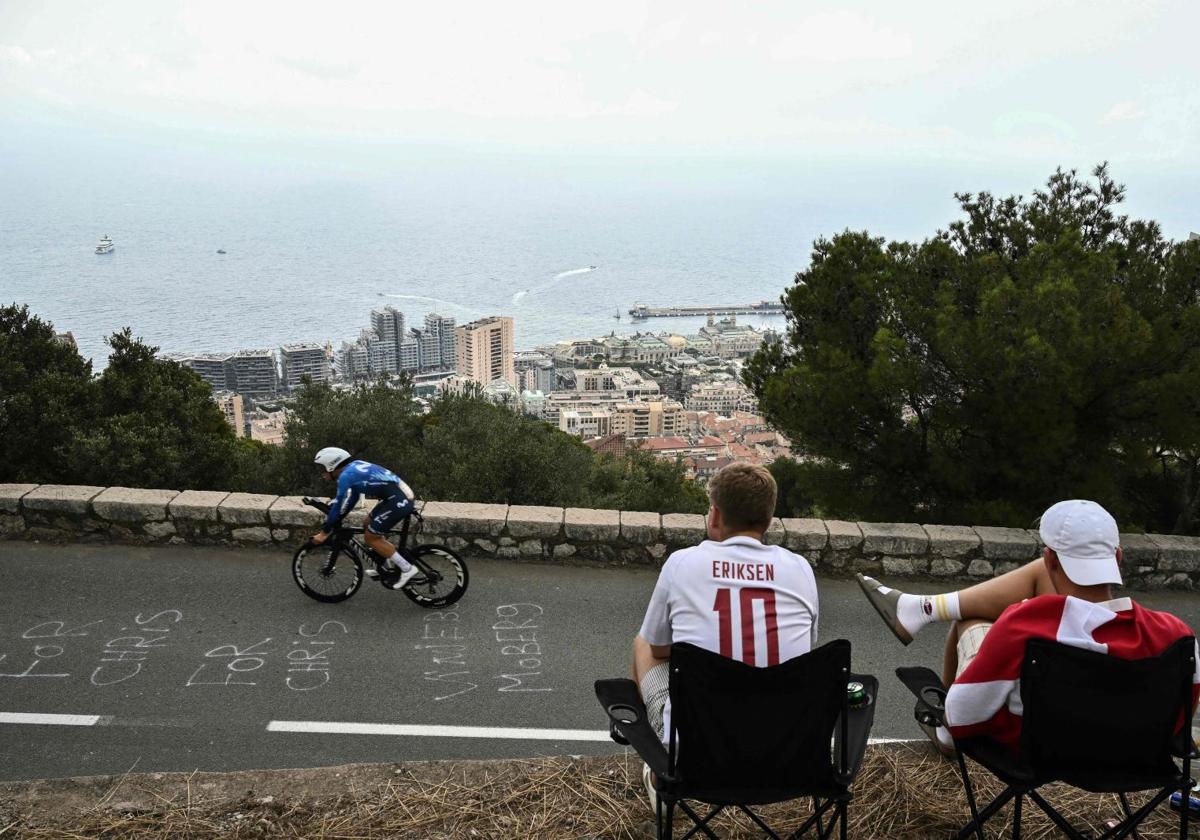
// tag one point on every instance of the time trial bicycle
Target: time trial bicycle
(333, 571)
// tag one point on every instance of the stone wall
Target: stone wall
(64, 513)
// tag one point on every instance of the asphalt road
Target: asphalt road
(116, 658)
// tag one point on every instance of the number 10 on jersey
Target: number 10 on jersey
(749, 616)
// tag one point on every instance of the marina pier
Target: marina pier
(763, 307)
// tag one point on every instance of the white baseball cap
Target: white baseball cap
(1085, 538)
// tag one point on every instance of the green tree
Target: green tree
(639, 481)
(792, 481)
(45, 394)
(474, 451)
(467, 449)
(373, 420)
(155, 425)
(1038, 349)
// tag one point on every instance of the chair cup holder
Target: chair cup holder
(624, 715)
(931, 706)
(934, 697)
(621, 713)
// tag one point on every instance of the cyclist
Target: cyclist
(362, 478)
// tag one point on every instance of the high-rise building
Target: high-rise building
(585, 423)
(381, 353)
(233, 407)
(351, 362)
(300, 360)
(536, 371)
(446, 337)
(211, 367)
(542, 377)
(485, 350)
(429, 350)
(410, 352)
(252, 373)
(388, 323)
(648, 419)
(387, 327)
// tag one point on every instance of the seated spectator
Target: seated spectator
(1064, 595)
(731, 594)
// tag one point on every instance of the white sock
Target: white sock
(915, 611)
(398, 562)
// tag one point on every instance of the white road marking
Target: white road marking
(316, 727)
(49, 720)
(350, 728)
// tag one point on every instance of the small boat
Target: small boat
(220, 250)
(617, 315)
(592, 267)
(105, 246)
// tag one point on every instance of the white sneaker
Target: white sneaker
(405, 577)
(651, 793)
(371, 572)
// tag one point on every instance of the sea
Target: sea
(563, 245)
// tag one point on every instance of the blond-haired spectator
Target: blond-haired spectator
(730, 594)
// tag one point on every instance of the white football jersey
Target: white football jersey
(751, 602)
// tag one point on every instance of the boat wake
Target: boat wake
(574, 271)
(442, 301)
(517, 297)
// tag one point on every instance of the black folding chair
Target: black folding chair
(742, 736)
(1093, 721)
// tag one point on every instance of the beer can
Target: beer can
(856, 695)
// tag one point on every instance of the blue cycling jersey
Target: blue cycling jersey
(362, 478)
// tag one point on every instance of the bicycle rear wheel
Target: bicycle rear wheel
(443, 578)
(326, 573)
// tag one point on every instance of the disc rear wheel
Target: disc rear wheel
(326, 573)
(442, 580)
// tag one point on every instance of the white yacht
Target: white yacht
(105, 246)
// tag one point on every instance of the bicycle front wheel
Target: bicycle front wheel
(326, 573)
(443, 578)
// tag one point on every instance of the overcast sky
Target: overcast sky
(1071, 82)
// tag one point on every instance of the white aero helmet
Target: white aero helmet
(331, 457)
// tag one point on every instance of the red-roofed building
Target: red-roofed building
(660, 445)
(756, 438)
(670, 447)
(613, 444)
(704, 468)
(740, 452)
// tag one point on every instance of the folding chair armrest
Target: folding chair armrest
(858, 727)
(927, 687)
(626, 711)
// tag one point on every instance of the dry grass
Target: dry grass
(901, 792)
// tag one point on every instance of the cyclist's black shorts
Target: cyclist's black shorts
(386, 514)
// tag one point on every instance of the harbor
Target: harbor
(641, 311)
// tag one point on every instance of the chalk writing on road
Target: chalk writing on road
(233, 665)
(124, 656)
(516, 630)
(49, 642)
(308, 660)
(442, 637)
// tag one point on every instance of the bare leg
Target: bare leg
(379, 544)
(950, 655)
(988, 599)
(395, 563)
(643, 659)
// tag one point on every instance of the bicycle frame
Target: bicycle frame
(349, 538)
